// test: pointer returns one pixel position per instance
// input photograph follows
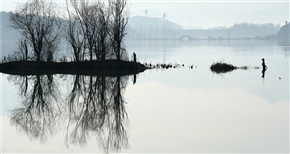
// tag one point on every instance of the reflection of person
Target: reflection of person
(134, 56)
(134, 80)
(263, 73)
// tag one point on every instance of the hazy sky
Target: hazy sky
(203, 14)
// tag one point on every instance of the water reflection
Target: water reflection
(263, 72)
(37, 116)
(96, 105)
(94, 108)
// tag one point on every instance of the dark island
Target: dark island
(100, 68)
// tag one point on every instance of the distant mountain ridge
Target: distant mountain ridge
(7, 31)
(137, 21)
(240, 30)
(149, 27)
(152, 28)
(284, 32)
(283, 36)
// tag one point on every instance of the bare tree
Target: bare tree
(75, 40)
(102, 49)
(118, 23)
(39, 25)
(86, 14)
(51, 42)
(103, 27)
(74, 36)
(23, 49)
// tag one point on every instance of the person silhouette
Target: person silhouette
(264, 68)
(134, 57)
(263, 64)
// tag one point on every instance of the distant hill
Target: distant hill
(149, 27)
(8, 36)
(152, 28)
(7, 31)
(241, 30)
(283, 35)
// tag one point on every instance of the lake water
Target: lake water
(167, 110)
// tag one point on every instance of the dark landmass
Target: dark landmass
(100, 68)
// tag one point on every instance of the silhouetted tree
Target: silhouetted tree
(39, 25)
(23, 50)
(103, 49)
(102, 27)
(74, 36)
(87, 14)
(51, 44)
(118, 23)
(75, 40)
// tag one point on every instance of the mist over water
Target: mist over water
(174, 110)
(178, 105)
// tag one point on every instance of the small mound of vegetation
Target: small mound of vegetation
(221, 67)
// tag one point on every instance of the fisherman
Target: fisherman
(263, 64)
(134, 57)
(264, 68)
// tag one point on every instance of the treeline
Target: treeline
(94, 30)
(240, 30)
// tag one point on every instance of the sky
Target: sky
(202, 14)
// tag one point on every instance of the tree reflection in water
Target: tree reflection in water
(37, 116)
(95, 109)
(96, 106)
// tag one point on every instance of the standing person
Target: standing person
(263, 64)
(134, 57)
(264, 68)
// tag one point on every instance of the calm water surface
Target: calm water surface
(175, 110)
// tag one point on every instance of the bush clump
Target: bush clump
(221, 67)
